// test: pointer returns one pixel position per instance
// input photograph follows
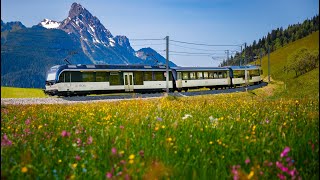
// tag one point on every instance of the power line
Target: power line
(147, 44)
(201, 44)
(197, 48)
(145, 39)
(192, 53)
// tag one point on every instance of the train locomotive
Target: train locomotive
(78, 80)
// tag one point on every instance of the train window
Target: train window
(102, 77)
(215, 75)
(211, 75)
(199, 75)
(205, 75)
(224, 75)
(238, 74)
(88, 77)
(61, 77)
(138, 78)
(159, 76)
(114, 78)
(185, 76)
(192, 75)
(148, 76)
(220, 74)
(254, 72)
(179, 75)
(67, 77)
(76, 76)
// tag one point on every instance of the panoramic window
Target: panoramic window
(205, 75)
(185, 76)
(102, 76)
(88, 77)
(192, 75)
(179, 75)
(199, 75)
(211, 75)
(76, 76)
(215, 75)
(159, 76)
(238, 74)
(114, 78)
(148, 76)
(138, 78)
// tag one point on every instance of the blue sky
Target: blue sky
(217, 22)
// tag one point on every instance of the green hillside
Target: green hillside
(306, 85)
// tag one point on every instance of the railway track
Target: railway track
(89, 99)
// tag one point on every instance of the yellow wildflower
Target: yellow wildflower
(24, 169)
(250, 175)
(74, 165)
(131, 157)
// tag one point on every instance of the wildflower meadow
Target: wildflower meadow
(234, 136)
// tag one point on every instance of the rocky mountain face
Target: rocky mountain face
(27, 53)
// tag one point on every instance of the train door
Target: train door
(128, 81)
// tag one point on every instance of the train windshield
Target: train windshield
(52, 73)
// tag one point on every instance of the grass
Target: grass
(13, 92)
(267, 133)
(196, 137)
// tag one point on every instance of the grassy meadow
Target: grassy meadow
(267, 133)
(13, 92)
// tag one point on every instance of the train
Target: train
(82, 80)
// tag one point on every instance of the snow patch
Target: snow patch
(111, 42)
(50, 24)
(92, 29)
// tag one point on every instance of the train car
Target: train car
(245, 75)
(199, 77)
(68, 80)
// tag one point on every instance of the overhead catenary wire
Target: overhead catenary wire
(209, 50)
(202, 44)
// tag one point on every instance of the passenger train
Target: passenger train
(73, 80)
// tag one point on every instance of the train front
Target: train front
(51, 87)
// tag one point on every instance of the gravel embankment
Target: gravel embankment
(89, 99)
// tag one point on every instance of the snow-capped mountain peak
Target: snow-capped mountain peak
(49, 24)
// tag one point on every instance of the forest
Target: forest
(275, 39)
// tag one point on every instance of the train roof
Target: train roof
(107, 66)
(249, 67)
(199, 68)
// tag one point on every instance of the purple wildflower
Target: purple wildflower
(109, 175)
(5, 141)
(28, 121)
(285, 152)
(90, 139)
(247, 161)
(114, 151)
(64, 133)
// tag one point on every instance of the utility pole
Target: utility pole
(240, 54)
(227, 51)
(260, 58)
(167, 65)
(268, 63)
(245, 59)
(245, 65)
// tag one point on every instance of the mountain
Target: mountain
(27, 53)
(9, 27)
(97, 42)
(150, 55)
